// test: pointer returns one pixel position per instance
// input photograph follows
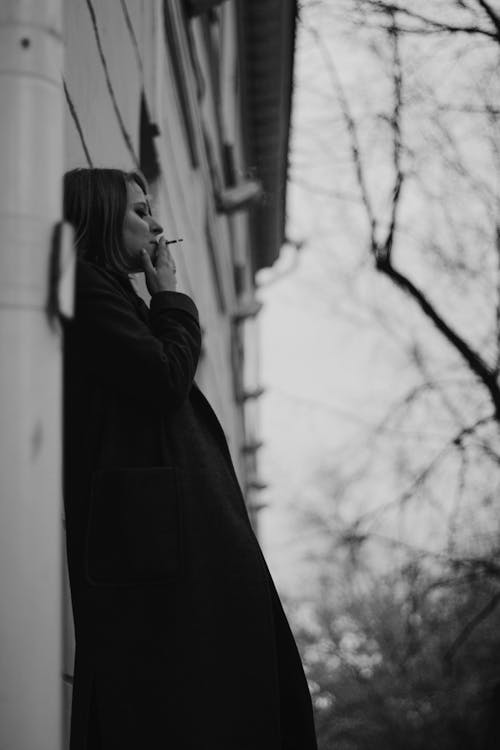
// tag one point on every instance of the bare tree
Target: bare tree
(473, 198)
(422, 155)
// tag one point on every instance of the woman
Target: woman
(181, 641)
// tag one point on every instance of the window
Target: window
(188, 86)
(148, 131)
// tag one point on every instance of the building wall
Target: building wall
(188, 71)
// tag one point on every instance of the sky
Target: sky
(333, 360)
(316, 350)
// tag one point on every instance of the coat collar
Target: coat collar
(123, 280)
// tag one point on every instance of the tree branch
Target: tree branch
(382, 251)
(322, 190)
(455, 442)
(475, 565)
(497, 311)
(474, 360)
(397, 139)
(492, 15)
(382, 7)
(352, 132)
(469, 628)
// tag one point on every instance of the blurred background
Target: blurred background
(380, 357)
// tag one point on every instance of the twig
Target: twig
(474, 360)
(428, 24)
(397, 139)
(321, 190)
(469, 628)
(456, 441)
(352, 131)
(474, 564)
(497, 247)
(492, 15)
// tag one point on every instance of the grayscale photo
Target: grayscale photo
(250, 375)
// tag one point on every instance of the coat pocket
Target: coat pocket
(134, 530)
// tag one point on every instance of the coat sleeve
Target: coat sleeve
(153, 363)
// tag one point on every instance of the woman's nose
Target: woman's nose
(155, 227)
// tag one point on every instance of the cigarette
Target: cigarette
(171, 242)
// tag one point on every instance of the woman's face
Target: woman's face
(139, 227)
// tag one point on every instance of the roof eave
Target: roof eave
(267, 42)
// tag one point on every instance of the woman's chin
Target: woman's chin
(136, 263)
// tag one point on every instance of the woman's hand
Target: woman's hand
(160, 277)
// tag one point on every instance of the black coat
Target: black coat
(181, 640)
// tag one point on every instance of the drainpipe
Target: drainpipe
(31, 165)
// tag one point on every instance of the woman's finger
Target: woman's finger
(146, 262)
(164, 255)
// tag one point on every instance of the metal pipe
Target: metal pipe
(31, 165)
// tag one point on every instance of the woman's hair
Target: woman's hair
(94, 202)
